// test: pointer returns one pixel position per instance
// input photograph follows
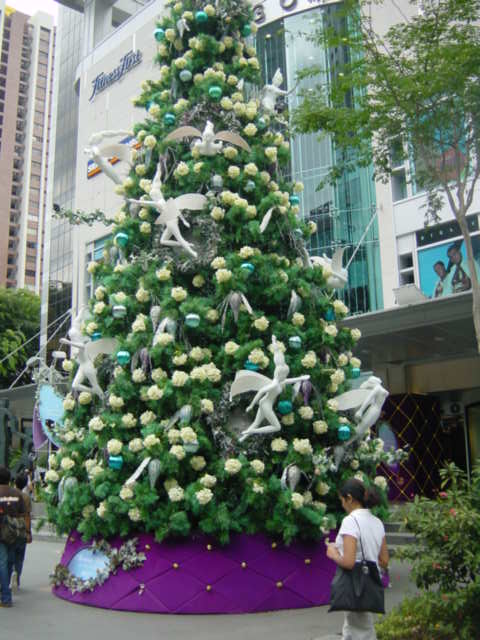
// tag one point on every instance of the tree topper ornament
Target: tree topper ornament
(207, 145)
(339, 276)
(88, 350)
(101, 153)
(171, 211)
(369, 399)
(267, 392)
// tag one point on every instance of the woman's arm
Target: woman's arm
(347, 561)
(383, 556)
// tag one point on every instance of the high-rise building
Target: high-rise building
(26, 79)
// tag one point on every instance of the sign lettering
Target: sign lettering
(104, 80)
(266, 11)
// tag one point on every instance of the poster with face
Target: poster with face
(443, 268)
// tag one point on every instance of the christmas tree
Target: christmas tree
(210, 364)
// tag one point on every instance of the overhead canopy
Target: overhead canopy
(424, 332)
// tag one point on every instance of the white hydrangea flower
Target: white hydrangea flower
(354, 464)
(204, 496)
(322, 488)
(208, 481)
(139, 324)
(306, 413)
(302, 446)
(198, 281)
(297, 500)
(135, 445)
(320, 426)
(198, 463)
(67, 365)
(179, 359)
(179, 378)
(258, 466)
(163, 274)
(232, 466)
(278, 445)
(257, 487)
(69, 403)
(138, 376)
(116, 402)
(246, 252)
(298, 319)
(147, 417)
(206, 405)
(197, 354)
(340, 307)
(142, 295)
(102, 509)
(158, 374)
(173, 436)
(288, 419)
(126, 493)
(114, 446)
(355, 362)
(338, 377)
(217, 213)
(178, 294)
(356, 334)
(331, 330)
(85, 397)
(176, 494)
(188, 435)
(380, 482)
(230, 348)
(332, 404)
(129, 421)
(309, 360)
(163, 339)
(177, 451)
(134, 514)
(261, 324)
(151, 441)
(52, 476)
(154, 392)
(342, 360)
(223, 275)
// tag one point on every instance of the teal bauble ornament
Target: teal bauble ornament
(284, 407)
(201, 17)
(119, 311)
(217, 181)
(261, 123)
(115, 462)
(123, 357)
(159, 34)
(330, 314)
(356, 372)
(294, 200)
(169, 119)
(192, 320)
(191, 447)
(250, 186)
(246, 30)
(248, 267)
(251, 366)
(295, 342)
(96, 335)
(215, 92)
(149, 104)
(298, 232)
(185, 75)
(121, 239)
(343, 432)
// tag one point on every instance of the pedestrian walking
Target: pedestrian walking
(361, 539)
(11, 523)
(21, 483)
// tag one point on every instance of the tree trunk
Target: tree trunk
(472, 267)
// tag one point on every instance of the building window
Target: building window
(94, 254)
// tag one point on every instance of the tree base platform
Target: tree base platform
(197, 576)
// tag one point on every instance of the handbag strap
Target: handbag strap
(359, 537)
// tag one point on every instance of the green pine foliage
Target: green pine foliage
(207, 480)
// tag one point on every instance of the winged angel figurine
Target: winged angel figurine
(100, 153)
(368, 401)
(267, 392)
(339, 276)
(88, 350)
(272, 92)
(171, 212)
(206, 144)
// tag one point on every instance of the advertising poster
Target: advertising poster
(443, 268)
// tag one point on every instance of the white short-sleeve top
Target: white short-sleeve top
(371, 529)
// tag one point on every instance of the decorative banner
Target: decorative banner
(50, 410)
(93, 169)
(87, 563)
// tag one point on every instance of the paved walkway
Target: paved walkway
(37, 615)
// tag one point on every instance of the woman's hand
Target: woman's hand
(332, 552)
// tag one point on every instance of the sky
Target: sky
(32, 6)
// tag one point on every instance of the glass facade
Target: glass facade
(69, 34)
(342, 213)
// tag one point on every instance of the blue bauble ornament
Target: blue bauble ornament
(215, 92)
(250, 186)
(123, 357)
(330, 314)
(115, 462)
(201, 17)
(169, 119)
(248, 267)
(121, 239)
(119, 311)
(149, 104)
(356, 372)
(295, 342)
(96, 335)
(284, 407)
(294, 200)
(251, 366)
(192, 320)
(246, 30)
(343, 432)
(185, 75)
(159, 34)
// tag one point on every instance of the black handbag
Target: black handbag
(358, 589)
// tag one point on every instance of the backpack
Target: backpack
(12, 529)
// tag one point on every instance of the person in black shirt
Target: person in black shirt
(11, 503)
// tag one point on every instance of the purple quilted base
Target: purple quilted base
(250, 575)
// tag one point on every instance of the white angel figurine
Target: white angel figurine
(267, 392)
(271, 93)
(100, 153)
(88, 350)
(171, 212)
(206, 143)
(339, 276)
(369, 398)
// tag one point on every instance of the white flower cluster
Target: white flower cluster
(232, 466)
(302, 446)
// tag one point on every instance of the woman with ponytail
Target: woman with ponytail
(361, 534)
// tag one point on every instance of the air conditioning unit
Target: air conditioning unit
(452, 408)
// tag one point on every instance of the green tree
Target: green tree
(411, 94)
(19, 321)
